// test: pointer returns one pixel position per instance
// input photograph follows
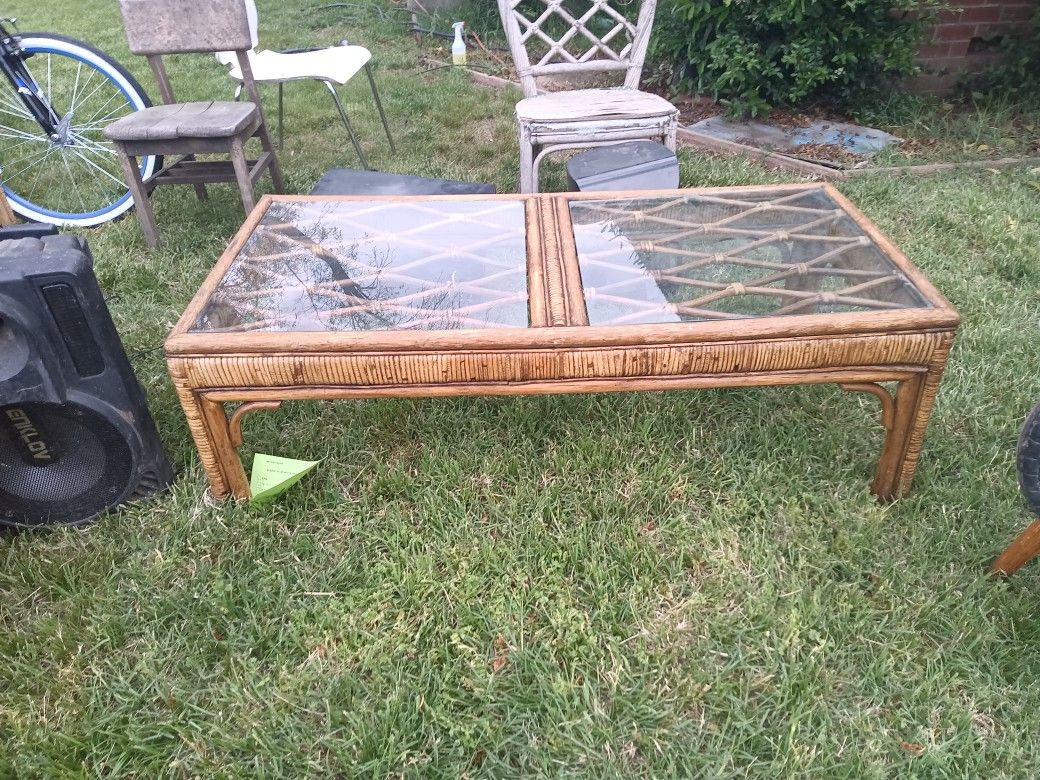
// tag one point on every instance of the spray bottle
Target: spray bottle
(458, 48)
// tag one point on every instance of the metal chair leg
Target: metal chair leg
(281, 115)
(346, 124)
(379, 105)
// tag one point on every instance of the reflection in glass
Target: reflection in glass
(730, 255)
(371, 265)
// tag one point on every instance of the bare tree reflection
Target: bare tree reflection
(289, 277)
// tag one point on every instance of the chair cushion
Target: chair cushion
(211, 119)
(593, 104)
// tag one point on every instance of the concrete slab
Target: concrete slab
(854, 139)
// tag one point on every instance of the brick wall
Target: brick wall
(965, 39)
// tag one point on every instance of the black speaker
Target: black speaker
(76, 437)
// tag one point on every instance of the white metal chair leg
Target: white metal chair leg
(379, 105)
(281, 115)
(346, 124)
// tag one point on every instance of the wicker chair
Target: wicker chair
(600, 39)
(157, 27)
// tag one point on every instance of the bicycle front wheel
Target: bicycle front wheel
(74, 177)
(1029, 460)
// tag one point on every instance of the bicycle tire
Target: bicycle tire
(83, 183)
(1029, 460)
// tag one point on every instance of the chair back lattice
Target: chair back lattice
(576, 37)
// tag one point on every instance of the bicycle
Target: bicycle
(1026, 545)
(55, 164)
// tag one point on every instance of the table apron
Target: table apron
(563, 386)
(599, 367)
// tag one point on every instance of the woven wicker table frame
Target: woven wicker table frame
(261, 359)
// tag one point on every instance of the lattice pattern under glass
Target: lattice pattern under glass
(575, 32)
(730, 256)
(371, 265)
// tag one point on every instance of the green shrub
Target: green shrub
(1017, 76)
(754, 54)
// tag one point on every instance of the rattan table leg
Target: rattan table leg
(913, 406)
(232, 476)
(893, 474)
(192, 406)
(211, 431)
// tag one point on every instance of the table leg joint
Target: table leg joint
(888, 403)
(235, 424)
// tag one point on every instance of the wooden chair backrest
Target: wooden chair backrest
(182, 26)
(157, 27)
(621, 46)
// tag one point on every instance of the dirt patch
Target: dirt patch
(694, 109)
(919, 147)
(827, 154)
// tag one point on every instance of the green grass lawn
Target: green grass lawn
(666, 585)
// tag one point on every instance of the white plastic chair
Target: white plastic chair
(593, 39)
(332, 66)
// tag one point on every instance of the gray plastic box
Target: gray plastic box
(634, 165)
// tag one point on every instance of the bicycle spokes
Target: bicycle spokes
(64, 170)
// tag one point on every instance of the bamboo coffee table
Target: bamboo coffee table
(326, 297)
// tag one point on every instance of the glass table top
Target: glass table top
(326, 265)
(730, 255)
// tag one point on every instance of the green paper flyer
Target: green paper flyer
(272, 475)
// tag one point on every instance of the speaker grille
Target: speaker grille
(59, 464)
(75, 330)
